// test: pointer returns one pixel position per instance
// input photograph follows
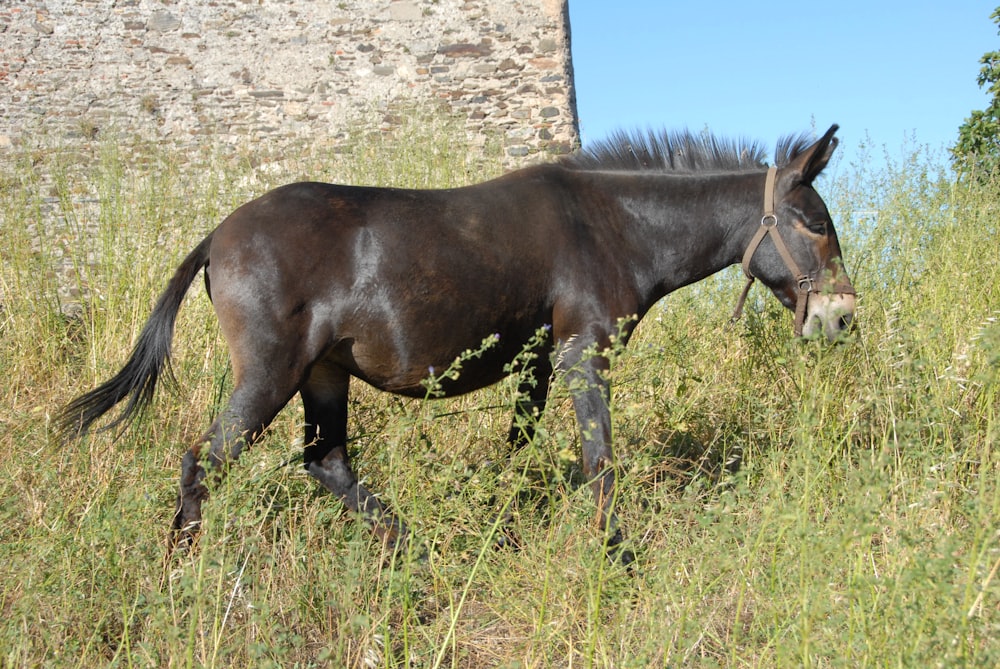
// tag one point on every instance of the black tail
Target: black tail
(149, 362)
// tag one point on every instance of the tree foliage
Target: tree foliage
(977, 150)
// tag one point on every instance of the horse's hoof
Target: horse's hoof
(617, 553)
(507, 539)
(622, 556)
(183, 536)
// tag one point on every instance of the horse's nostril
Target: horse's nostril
(845, 321)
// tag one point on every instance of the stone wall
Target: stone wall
(277, 72)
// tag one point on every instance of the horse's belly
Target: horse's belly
(407, 364)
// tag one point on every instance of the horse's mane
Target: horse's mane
(682, 151)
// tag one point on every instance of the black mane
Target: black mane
(682, 151)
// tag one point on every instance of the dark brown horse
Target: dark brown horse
(314, 284)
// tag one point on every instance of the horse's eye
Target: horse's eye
(818, 226)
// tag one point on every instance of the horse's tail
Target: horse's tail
(150, 359)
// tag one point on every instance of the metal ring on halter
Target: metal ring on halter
(773, 220)
(806, 283)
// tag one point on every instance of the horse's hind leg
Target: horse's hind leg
(252, 407)
(324, 398)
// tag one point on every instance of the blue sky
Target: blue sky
(895, 75)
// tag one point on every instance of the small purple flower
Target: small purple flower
(496, 336)
(431, 370)
(547, 327)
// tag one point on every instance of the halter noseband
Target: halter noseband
(769, 226)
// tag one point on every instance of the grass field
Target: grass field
(790, 504)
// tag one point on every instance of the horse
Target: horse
(315, 283)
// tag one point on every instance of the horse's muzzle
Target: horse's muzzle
(830, 314)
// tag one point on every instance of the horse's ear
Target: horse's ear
(807, 165)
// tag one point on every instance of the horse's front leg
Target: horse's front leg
(532, 393)
(586, 376)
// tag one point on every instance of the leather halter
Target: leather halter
(769, 227)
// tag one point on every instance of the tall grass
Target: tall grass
(790, 504)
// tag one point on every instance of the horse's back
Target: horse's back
(388, 283)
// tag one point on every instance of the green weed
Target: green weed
(791, 504)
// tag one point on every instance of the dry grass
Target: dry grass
(790, 504)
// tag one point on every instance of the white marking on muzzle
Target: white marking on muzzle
(829, 314)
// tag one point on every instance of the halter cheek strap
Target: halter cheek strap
(769, 227)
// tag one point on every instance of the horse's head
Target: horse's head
(800, 261)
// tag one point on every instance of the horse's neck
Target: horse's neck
(691, 227)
